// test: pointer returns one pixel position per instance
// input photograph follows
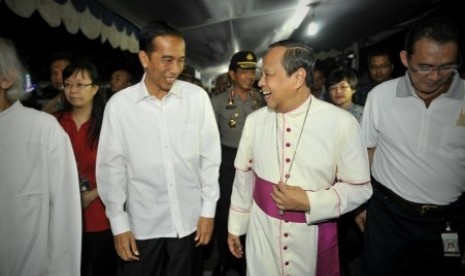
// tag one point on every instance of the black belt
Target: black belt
(413, 207)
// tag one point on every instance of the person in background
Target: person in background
(301, 163)
(318, 86)
(49, 97)
(81, 117)
(57, 64)
(187, 74)
(40, 208)
(221, 84)
(120, 78)
(158, 162)
(414, 127)
(380, 68)
(342, 85)
(231, 109)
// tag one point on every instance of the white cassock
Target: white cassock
(327, 157)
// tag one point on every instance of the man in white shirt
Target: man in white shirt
(414, 127)
(158, 162)
(40, 203)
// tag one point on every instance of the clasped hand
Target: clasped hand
(290, 198)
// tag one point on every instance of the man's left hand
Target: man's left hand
(204, 231)
(291, 198)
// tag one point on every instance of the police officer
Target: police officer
(231, 108)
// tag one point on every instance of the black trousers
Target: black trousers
(98, 254)
(400, 242)
(227, 173)
(166, 256)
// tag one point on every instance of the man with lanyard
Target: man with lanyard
(414, 127)
(231, 108)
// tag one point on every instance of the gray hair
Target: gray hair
(11, 69)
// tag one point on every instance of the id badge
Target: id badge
(450, 242)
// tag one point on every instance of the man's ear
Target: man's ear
(299, 77)
(404, 58)
(144, 59)
(232, 75)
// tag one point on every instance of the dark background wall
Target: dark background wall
(36, 42)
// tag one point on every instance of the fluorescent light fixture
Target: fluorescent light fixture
(312, 29)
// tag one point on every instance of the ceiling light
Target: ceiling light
(312, 28)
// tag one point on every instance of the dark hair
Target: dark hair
(379, 52)
(126, 69)
(154, 29)
(298, 55)
(439, 29)
(99, 101)
(341, 74)
(61, 56)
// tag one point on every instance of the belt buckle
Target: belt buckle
(426, 208)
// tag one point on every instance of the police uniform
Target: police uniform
(231, 112)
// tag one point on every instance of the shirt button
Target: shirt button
(287, 175)
(286, 235)
(288, 129)
(288, 144)
(288, 160)
(286, 263)
(285, 247)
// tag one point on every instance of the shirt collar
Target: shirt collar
(143, 93)
(456, 89)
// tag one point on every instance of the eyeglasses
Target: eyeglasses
(79, 86)
(428, 69)
(336, 87)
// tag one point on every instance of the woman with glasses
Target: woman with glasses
(342, 84)
(82, 120)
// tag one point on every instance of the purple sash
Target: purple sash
(328, 254)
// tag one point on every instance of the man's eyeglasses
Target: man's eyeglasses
(334, 88)
(428, 69)
(79, 86)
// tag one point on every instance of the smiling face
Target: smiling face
(282, 93)
(274, 81)
(164, 64)
(243, 78)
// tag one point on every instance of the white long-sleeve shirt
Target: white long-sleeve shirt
(158, 161)
(40, 207)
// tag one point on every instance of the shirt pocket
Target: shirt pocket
(452, 143)
(187, 141)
